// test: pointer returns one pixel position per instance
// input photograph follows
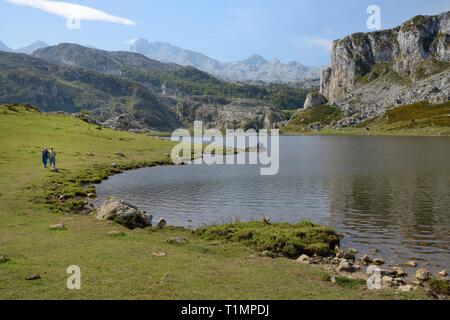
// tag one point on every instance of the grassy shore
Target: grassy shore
(122, 267)
(419, 119)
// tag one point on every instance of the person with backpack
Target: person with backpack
(45, 157)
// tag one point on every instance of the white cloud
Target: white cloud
(72, 11)
(313, 42)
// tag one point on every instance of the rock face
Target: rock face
(313, 100)
(373, 72)
(406, 47)
(124, 214)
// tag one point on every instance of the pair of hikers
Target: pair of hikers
(49, 156)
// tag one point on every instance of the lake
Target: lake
(390, 194)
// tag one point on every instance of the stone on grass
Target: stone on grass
(159, 254)
(33, 277)
(303, 259)
(162, 223)
(4, 259)
(117, 234)
(58, 226)
(269, 254)
(124, 213)
(346, 266)
(387, 281)
(178, 240)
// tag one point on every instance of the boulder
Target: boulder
(411, 264)
(349, 254)
(423, 275)
(124, 213)
(346, 266)
(162, 223)
(313, 100)
(378, 262)
(303, 259)
(366, 260)
(399, 272)
(387, 281)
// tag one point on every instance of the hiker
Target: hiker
(52, 158)
(45, 157)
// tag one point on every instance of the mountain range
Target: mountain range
(252, 69)
(106, 84)
(27, 49)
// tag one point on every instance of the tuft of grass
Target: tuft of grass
(324, 114)
(439, 286)
(288, 240)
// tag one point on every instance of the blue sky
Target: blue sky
(224, 29)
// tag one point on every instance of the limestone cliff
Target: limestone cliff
(418, 48)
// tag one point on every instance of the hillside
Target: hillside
(85, 153)
(52, 87)
(252, 69)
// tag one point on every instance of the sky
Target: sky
(227, 30)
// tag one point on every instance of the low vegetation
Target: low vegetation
(324, 115)
(288, 240)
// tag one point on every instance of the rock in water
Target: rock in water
(124, 213)
(314, 100)
(423, 275)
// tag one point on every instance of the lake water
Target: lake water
(385, 193)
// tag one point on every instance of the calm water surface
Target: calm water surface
(385, 193)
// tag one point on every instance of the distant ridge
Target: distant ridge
(252, 69)
(27, 49)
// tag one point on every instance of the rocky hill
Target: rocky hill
(56, 87)
(373, 72)
(254, 68)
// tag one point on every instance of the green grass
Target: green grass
(323, 114)
(121, 267)
(288, 240)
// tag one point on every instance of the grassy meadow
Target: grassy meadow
(124, 266)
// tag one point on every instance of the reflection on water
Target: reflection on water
(388, 193)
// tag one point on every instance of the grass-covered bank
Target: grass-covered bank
(122, 267)
(420, 119)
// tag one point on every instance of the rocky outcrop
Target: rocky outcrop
(123, 122)
(225, 113)
(313, 100)
(124, 213)
(405, 48)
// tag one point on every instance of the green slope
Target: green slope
(122, 267)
